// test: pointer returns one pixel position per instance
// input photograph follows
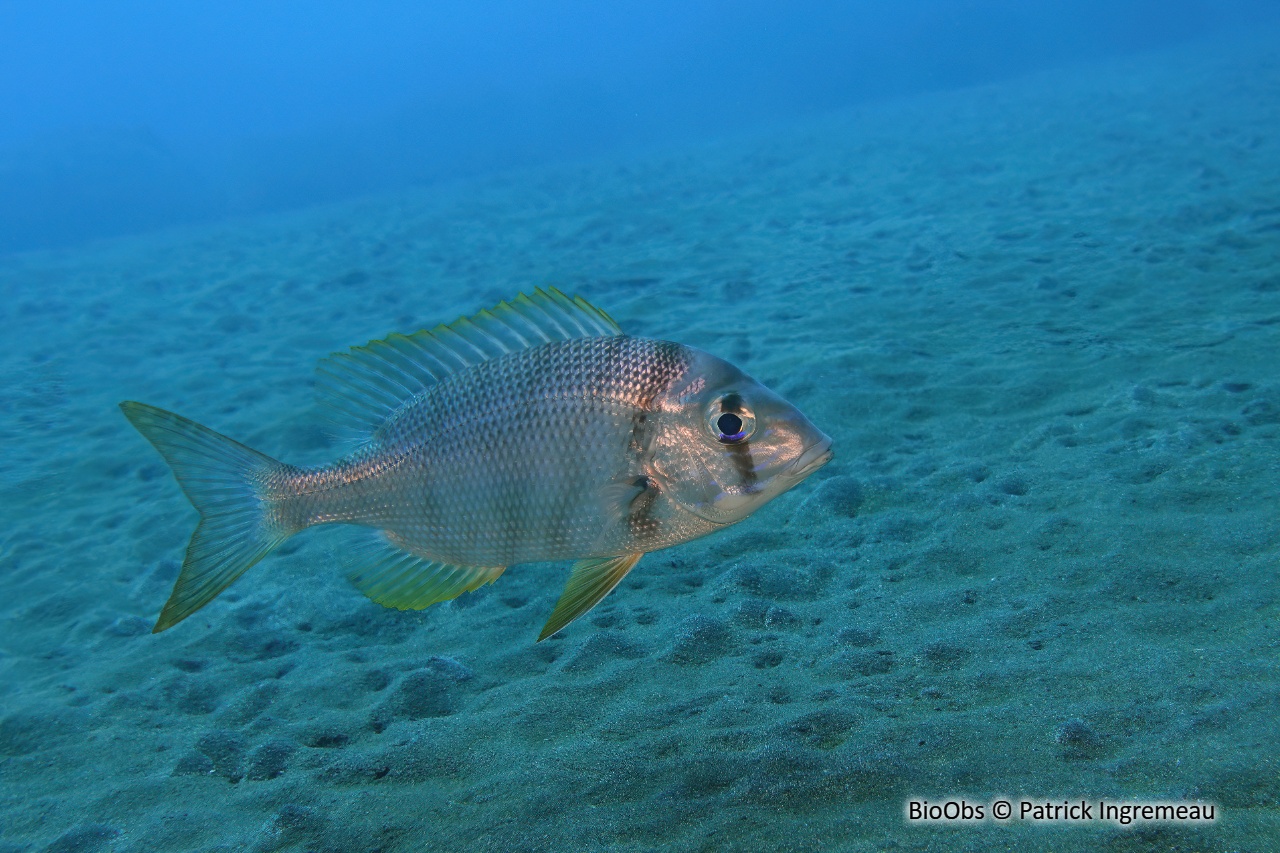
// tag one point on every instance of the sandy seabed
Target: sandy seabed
(1041, 321)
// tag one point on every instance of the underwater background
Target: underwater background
(1021, 260)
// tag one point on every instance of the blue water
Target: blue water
(1020, 261)
(139, 115)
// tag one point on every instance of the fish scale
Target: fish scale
(496, 477)
(533, 432)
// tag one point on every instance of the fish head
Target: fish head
(725, 444)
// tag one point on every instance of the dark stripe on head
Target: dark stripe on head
(731, 403)
(638, 445)
(640, 520)
(743, 463)
(739, 452)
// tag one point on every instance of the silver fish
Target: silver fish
(535, 431)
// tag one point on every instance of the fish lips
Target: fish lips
(813, 458)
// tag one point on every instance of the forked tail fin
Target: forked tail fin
(226, 482)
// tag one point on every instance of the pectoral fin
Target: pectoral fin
(621, 496)
(590, 582)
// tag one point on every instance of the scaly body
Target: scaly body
(418, 480)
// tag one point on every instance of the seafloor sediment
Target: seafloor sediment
(1041, 321)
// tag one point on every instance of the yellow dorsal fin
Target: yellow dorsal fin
(590, 582)
(364, 386)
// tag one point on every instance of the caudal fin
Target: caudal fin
(226, 482)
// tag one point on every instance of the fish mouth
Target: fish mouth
(813, 458)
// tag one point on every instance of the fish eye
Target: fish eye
(729, 420)
(730, 427)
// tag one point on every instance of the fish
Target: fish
(536, 431)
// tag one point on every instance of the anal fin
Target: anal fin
(590, 581)
(397, 578)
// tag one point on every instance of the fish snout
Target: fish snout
(814, 457)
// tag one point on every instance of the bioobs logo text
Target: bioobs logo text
(1060, 812)
(948, 811)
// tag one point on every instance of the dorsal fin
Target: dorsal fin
(364, 386)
